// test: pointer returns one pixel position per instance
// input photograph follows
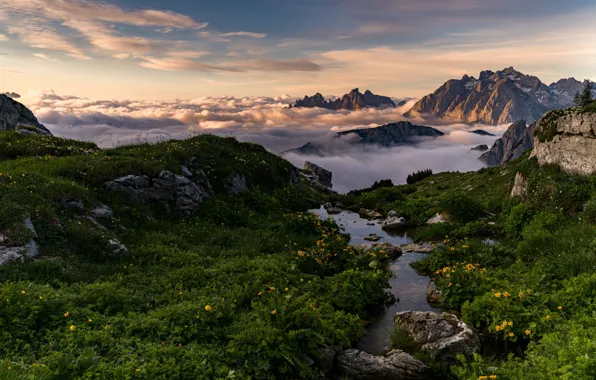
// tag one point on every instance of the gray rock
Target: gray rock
(395, 365)
(331, 209)
(441, 335)
(168, 187)
(520, 187)
(369, 214)
(75, 205)
(438, 218)
(480, 148)
(102, 212)
(394, 223)
(3, 239)
(372, 237)
(420, 248)
(11, 254)
(116, 248)
(31, 246)
(573, 148)
(186, 171)
(236, 184)
(392, 214)
(318, 174)
(16, 117)
(391, 249)
(515, 141)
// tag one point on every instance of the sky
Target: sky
(185, 49)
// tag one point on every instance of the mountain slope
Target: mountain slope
(352, 101)
(386, 136)
(16, 117)
(515, 141)
(496, 98)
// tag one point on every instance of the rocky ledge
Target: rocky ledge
(16, 117)
(568, 141)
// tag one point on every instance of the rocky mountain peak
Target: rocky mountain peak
(495, 98)
(14, 116)
(353, 100)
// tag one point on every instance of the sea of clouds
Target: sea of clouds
(264, 120)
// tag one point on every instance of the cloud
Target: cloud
(244, 34)
(3, 37)
(290, 65)
(183, 62)
(45, 37)
(46, 57)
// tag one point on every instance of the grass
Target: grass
(248, 287)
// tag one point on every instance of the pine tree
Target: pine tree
(586, 96)
(577, 99)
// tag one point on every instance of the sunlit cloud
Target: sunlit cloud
(45, 57)
(244, 34)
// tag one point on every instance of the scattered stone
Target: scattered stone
(371, 224)
(102, 212)
(420, 248)
(395, 365)
(369, 214)
(10, 254)
(236, 184)
(372, 237)
(433, 295)
(520, 187)
(394, 222)
(438, 218)
(318, 177)
(441, 335)
(331, 209)
(167, 187)
(31, 246)
(116, 248)
(391, 249)
(75, 205)
(3, 239)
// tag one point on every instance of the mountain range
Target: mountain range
(386, 136)
(351, 101)
(496, 98)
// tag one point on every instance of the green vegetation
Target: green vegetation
(418, 176)
(376, 185)
(584, 98)
(532, 294)
(249, 287)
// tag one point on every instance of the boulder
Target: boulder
(319, 177)
(236, 184)
(433, 295)
(391, 249)
(443, 336)
(116, 248)
(31, 248)
(420, 248)
(16, 117)
(372, 237)
(438, 218)
(395, 365)
(10, 254)
(102, 212)
(393, 223)
(169, 187)
(331, 209)
(520, 187)
(369, 214)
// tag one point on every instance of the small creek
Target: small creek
(406, 285)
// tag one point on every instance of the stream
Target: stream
(406, 285)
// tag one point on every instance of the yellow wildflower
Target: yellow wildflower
(73, 328)
(506, 294)
(300, 253)
(548, 317)
(274, 312)
(493, 376)
(66, 314)
(450, 284)
(22, 292)
(89, 320)
(560, 307)
(528, 332)
(482, 377)
(207, 308)
(287, 290)
(510, 323)
(497, 294)
(452, 249)
(511, 334)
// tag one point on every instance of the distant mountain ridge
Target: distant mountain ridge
(386, 136)
(351, 101)
(496, 98)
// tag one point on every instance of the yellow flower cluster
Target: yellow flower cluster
(503, 325)
(487, 377)
(504, 294)
(467, 267)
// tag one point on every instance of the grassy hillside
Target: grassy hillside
(247, 287)
(532, 295)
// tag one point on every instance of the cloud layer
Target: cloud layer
(264, 120)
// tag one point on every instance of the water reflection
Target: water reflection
(407, 286)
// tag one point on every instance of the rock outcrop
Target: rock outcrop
(496, 98)
(352, 101)
(515, 141)
(443, 336)
(369, 214)
(520, 187)
(167, 187)
(393, 221)
(318, 177)
(438, 218)
(395, 365)
(16, 117)
(568, 141)
(385, 136)
(480, 148)
(10, 253)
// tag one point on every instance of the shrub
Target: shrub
(377, 185)
(462, 208)
(418, 176)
